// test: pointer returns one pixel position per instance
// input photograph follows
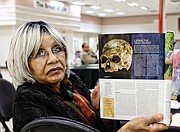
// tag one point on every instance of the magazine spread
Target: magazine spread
(132, 76)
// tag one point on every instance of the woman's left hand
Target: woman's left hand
(95, 97)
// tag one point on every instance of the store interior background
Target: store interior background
(75, 27)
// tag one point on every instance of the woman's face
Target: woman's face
(48, 66)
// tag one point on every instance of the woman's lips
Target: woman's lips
(55, 70)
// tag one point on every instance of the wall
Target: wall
(90, 24)
(172, 24)
(140, 24)
(5, 35)
(131, 24)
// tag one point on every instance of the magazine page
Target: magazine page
(132, 76)
(126, 99)
(132, 56)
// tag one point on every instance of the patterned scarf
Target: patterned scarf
(78, 103)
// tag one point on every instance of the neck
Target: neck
(56, 86)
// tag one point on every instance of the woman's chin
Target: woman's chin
(56, 79)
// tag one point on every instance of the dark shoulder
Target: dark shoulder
(27, 88)
(31, 92)
(79, 85)
(32, 87)
(31, 102)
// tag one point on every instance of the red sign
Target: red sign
(179, 24)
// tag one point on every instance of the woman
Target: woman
(45, 87)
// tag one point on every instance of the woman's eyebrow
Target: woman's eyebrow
(56, 43)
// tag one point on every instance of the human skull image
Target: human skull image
(116, 55)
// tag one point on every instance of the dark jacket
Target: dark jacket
(35, 100)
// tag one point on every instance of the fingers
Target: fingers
(98, 84)
(153, 118)
(156, 127)
(153, 125)
(96, 91)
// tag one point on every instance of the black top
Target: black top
(36, 100)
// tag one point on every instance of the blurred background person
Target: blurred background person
(87, 55)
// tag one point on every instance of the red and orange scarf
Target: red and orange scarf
(78, 103)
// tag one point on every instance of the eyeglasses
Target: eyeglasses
(57, 50)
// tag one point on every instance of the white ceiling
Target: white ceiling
(171, 6)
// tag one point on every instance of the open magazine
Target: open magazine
(132, 68)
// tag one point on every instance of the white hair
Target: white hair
(27, 38)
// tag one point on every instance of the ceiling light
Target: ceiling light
(133, 4)
(101, 14)
(120, 0)
(95, 7)
(89, 12)
(57, 3)
(78, 3)
(144, 8)
(109, 10)
(120, 13)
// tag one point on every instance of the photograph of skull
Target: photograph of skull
(116, 57)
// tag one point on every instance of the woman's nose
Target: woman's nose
(52, 58)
